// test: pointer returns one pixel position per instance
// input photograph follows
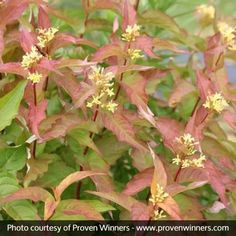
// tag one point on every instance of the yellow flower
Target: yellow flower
(158, 214)
(34, 77)
(45, 36)
(110, 91)
(185, 163)
(198, 162)
(159, 196)
(30, 58)
(215, 102)
(206, 11)
(134, 54)
(104, 89)
(111, 106)
(188, 142)
(100, 78)
(187, 149)
(131, 33)
(228, 34)
(176, 160)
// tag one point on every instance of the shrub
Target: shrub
(116, 110)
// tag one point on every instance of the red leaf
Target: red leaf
(205, 86)
(139, 182)
(27, 40)
(13, 68)
(74, 177)
(106, 4)
(35, 194)
(171, 207)
(122, 128)
(70, 85)
(129, 15)
(159, 176)
(108, 51)
(214, 55)
(119, 198)
(121, 69)
(57, 126)
(77, 207)
(197, 123)
(159, 44)
(176, 188)
(61, 40)
(153, 74)
(230, 118)
(36, 115)
(135, 90)
(181, 89)
(43, 19)
(140, 211)
(218, 180)
(48, 65)
(145, 43)
(12, 11)
(163, 126)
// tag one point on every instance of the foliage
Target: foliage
(117, 110)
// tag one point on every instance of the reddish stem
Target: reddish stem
(84, 154)
(35, 104)
(177, 173)
(86, 19)
(94, 119)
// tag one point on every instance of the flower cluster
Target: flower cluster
(188, 143)
(134, 53)
(215, 102)
(158, 214)
(187, 149)
(34, 77)
(131, 33)
(228, 33)
(104, 89)
(195, 162)
(206, 12)
(45, 36)
(30, 58)
(159, 196)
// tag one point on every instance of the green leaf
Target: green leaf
(76, 208)
(162, 20)
(9, 104)
(99, 206)
(18, 210)
(82, 137)
(8, 184)
(13, 159)
(111, 148)
(37, 167)
(57, 171)
(21, 210)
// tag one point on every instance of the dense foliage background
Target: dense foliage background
(117, 109)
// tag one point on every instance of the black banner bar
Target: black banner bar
(126, 228)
